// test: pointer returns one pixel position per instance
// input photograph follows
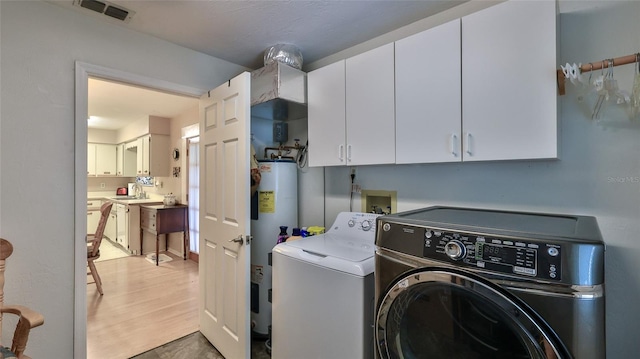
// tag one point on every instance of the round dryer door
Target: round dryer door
(447, 313)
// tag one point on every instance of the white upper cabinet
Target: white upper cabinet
(428, 96)
(101, 159)
(326, 115)
(351, 110)
(91, 159)
(370, 107)
(153, 155)
(120, 159)
(509, 98)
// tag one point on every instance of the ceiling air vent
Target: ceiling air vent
(106, 8)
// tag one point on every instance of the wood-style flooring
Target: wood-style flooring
(143, 306)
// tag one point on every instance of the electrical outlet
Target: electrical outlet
(103, 185)
(355, 188)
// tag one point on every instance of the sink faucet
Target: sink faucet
(138, 190)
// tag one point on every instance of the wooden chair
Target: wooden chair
(93, 244)
(28, 318)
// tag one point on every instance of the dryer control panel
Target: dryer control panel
(515, 256)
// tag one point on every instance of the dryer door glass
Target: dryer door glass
(434, 313)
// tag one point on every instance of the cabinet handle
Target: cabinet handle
(341, 152)
(348, 153)
(453, 144)
(468, 145)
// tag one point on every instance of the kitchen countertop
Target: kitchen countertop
(163, 206)
(130, 200)
(153, 198)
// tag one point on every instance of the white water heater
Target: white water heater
(277, 206)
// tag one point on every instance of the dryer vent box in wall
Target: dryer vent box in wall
(378, 201)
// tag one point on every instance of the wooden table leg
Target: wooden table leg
(141, 236)
(186, 233)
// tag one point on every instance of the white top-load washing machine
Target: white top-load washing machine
(323, 292)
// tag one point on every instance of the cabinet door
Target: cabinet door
(509, 100)
(370, 111)
(93, 217)
(106, 159)
(120, 159)
(130, 159)
(110, 228)
(428, 96)
(158, 155)
(326, 115)
(140, 157)
(91, 159)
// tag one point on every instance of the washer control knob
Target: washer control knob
(351, 223)
(386, 227)
(455, 249)
(428, 234)
(366, 225)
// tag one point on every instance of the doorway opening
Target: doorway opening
(83, 73)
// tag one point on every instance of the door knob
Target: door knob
(237, 240)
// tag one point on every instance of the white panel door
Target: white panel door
(428, 96)
(370, 107)
(509, 96)
(225, 217)
(326, 115)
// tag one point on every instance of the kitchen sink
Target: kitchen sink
(124, 198)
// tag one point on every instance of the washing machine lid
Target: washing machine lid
(438, 312)
(346, 254)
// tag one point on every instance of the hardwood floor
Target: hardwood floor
(143, 306)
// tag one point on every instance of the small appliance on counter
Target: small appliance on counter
(122, 191)
(131, 188)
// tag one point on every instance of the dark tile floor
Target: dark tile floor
(196, 346)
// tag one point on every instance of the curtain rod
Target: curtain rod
(592, 66)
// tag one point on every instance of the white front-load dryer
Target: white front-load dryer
(323, 292)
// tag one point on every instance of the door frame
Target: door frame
(83, 71)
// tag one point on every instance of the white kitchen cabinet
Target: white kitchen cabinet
(93, 215)
(140, 170)
(91, 159)
(153, 155)
(509, 98)
(428, 96)
(106, 159)
(122, 224)
(101, 159)
(351, 110)
(130, 154)
(120, 159)
(110, 229)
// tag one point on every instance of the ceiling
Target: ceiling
(240, 31)
(113, 105)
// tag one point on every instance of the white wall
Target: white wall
(40, 43)
(598, 173)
